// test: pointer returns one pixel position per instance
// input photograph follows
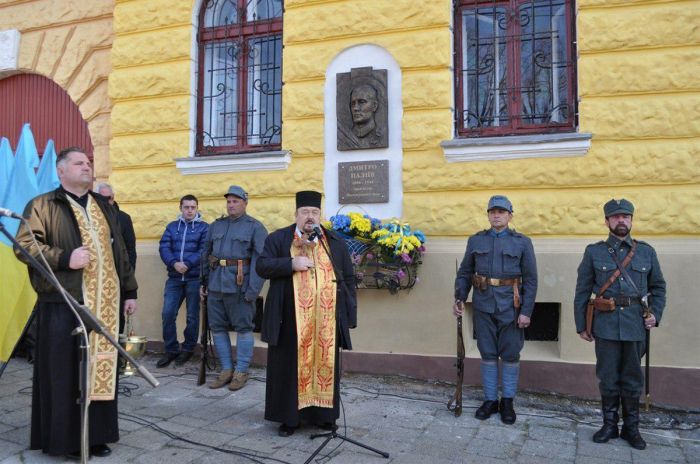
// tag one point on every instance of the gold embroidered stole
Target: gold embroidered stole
(100, 295)
(314, 300)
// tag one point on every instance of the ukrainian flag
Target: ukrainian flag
(19, 182)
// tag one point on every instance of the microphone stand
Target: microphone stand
(339, 278)
(87, 321)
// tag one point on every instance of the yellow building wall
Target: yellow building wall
(638, 85)
(639, 92)
(69, 41)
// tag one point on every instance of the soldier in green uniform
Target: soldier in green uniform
(619, 322)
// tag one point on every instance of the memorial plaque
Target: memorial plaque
(361, 109)
(363, 182)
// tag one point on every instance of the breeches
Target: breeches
(228, 311)
(618, 367)
(498, 336)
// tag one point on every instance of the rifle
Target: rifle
(201, 378)
(455, 404)
(646, 313)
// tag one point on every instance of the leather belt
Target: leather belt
(239, 263)
(480, 282)
(623, 300)
(233, 262)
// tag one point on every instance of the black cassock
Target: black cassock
(55, 389)
(279, 328)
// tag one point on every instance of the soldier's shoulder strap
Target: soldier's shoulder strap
(643, 243)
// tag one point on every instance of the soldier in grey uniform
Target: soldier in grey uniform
(500, 265)
(231, 284)
(619, 327)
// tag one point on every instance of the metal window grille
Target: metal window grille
(239, 103)
(515, 67)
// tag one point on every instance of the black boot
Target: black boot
(487, 408)
(610, 406)
(630, 422)
(507, 412)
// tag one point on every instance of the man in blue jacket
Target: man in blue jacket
(499, 265)
(181, 249)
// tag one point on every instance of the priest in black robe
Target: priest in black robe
(78, 234)
(309, 311)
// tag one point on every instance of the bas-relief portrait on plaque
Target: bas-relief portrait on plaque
(361, 107)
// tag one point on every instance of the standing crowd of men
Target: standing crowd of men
(310, 307)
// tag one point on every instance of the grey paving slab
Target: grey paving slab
(9, 448)
(172, 453)
(658, 454)
(548, 450)
(553, 435)
(20, 435)
(404, 417)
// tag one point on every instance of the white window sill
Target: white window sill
(263, 161)
(516, 147)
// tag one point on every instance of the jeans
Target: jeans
(177, 290)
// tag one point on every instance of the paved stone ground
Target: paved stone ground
(182, 423)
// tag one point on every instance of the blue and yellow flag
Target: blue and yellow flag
(17, 297)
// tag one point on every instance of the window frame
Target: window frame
(513, 74)
(242, 31)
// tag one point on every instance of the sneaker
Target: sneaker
(166, 359)
(222, 379)
(183, 357)
(239, 380)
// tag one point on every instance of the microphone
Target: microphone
(8, 213)
(316, 233)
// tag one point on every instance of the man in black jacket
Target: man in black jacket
(309, 311)
(125, 223)
(78, 234)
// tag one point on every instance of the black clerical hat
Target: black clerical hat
(308, 198)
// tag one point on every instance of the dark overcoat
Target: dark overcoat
(275, 264)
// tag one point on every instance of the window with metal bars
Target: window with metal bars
(514, 67)
(239, 99)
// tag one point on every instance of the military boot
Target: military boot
(239, 380)
(610, 406)
(630, 422)
(223, 378)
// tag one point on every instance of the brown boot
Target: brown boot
(222, 379)
(239, 379)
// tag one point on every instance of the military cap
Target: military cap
(237, 191)
(620, 206)
(501, 202)
(308, 198)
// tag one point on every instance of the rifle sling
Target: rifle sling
(620, 269)
(621, 266)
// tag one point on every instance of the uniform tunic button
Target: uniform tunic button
(622, 278)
